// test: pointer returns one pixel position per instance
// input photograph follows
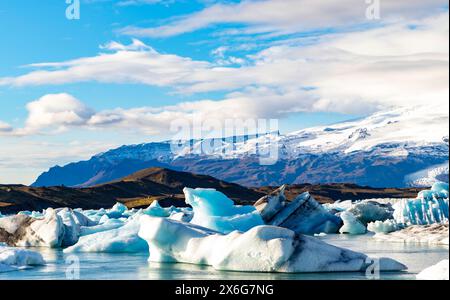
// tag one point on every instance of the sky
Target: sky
(122, 71)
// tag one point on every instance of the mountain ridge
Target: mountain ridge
(382, 150)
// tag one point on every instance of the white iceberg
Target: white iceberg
(383, 226)
(351, 224)
(122, 239)
(261, 249)
(25, 231)
(105, 226)
(12, 259)
(214, 210)
(438, 271)
(367, 211)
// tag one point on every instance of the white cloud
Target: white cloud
(355, 72)
(289, 16)
(57, 111)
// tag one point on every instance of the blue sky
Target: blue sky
(125, 69)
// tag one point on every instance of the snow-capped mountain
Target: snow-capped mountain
(401, 147)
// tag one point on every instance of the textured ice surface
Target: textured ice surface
(12, 259)
(214, 210)
(122, 239)
(338, 206)
(351, 224)
(269, 205)
(262, 249)
(435, 234)
(302, 215)
(24, 231)
(438, 271)
(430, 206)
(383, 226)
(370, 211)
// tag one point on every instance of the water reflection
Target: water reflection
(136, 266)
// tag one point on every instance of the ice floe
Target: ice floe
(12, 259)
(214, 210)
(438, 271)
(260, 249)
(351, 224)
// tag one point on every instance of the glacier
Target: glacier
(261, 249)
(16, 259)
(438, 271)
(214, 210)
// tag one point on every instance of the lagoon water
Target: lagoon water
(135, 266)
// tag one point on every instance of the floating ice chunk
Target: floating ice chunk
(107, 225)
(435, 234)
(351, 224)
(383, 226)
(338, 206)
(430, 206)
(261, 249)
(320, 234)
(15, 259)
(370, 211)
(269, 205)
(117, 210)
(122, 239)
(306, 215)
(24, 231)
(214, 210)
(438, 271)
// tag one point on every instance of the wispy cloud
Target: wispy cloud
(288, 16)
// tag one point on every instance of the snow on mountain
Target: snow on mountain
(401, 147)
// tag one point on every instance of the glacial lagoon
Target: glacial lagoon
(135, 266)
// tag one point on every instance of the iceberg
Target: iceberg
(367, 211)
(269, 205)
(105, 226)
(16, 259)
(261, 249)
(383, 226)
(25, 231)
(438, 271)
(351, 224)
(430, 206)
(303, 215)
(122, 239)
(212, 209)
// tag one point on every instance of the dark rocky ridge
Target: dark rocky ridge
(165, 185)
